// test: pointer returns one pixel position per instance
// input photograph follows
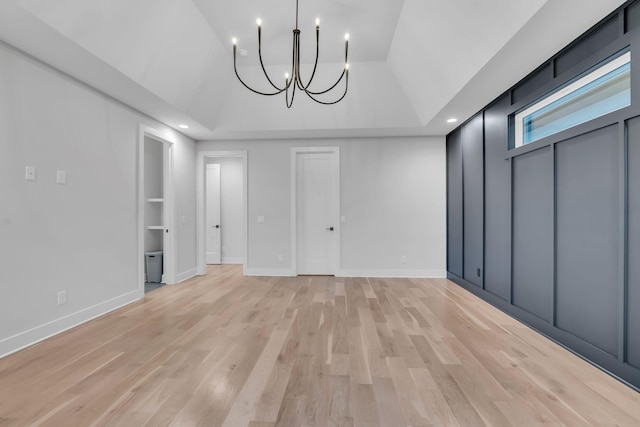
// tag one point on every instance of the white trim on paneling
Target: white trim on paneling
(32, 336)
(231, 260)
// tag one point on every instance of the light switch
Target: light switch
(260, 219)
(30, 173)
(343, 219)
(183, 220)
(61, 177)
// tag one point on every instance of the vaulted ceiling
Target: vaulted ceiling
(413, 63)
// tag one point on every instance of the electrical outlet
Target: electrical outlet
(30, 173)
(260, 219)
(280, 258)
(62, 297)
(403, 258)
(478, 272)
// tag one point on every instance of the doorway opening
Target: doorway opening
(155, 206)
(222, 209)
(315, 210)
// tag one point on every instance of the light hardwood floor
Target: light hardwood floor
(229, 350)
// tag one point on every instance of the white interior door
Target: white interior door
(212, 188)
(317, 203)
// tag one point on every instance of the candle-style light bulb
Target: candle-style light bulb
(317, 22)
(286, 76)
(346, 66)
(234, 41)
(346, 37)
(259, 22)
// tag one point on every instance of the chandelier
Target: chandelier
(293, 80)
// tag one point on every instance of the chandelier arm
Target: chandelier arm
(293, 95)
(346, 87)
(344, 71)
(235, 68)
(296, 58)
(346, 52)
(297, 65)
(315, 65)
(262, 63)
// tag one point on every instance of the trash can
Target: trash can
(154, 266)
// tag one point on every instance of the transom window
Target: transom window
(602, 91)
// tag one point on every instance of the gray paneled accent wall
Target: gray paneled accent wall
(454, 204)
(497, 210)
(587, 180)
(472, 159)
(633, 296)
(532, 232)
(555, 224)
(600, 37)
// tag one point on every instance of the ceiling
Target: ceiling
(413, 63)
(371, 23)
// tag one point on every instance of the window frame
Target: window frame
(591, 76)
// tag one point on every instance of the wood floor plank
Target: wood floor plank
(224, 349)
(387, 402)
(340, 396)
(243, 407)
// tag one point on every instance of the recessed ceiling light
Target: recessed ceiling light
(452, 120)
(183, 126)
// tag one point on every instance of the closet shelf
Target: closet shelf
(156, 200)
(155, 227)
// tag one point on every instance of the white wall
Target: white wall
(231, 209)
(393, 194)
(80, 237)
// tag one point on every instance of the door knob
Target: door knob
(330, 229)
(216, 226)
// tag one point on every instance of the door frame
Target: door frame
(169, 239)
(295, 151)
(207, 211)
(201, 266)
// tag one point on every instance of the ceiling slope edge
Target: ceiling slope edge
(375, 102)
(439, 47)
(20, 30)
(544, 35)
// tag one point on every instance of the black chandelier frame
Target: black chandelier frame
(294, 80)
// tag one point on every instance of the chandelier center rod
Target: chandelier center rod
(297, 14)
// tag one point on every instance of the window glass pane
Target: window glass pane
(602, 91)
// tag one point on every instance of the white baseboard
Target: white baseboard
(346, 272)
(231, 260)
(412, 274)
(284, 272)
(181, 277)
(39, 333)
